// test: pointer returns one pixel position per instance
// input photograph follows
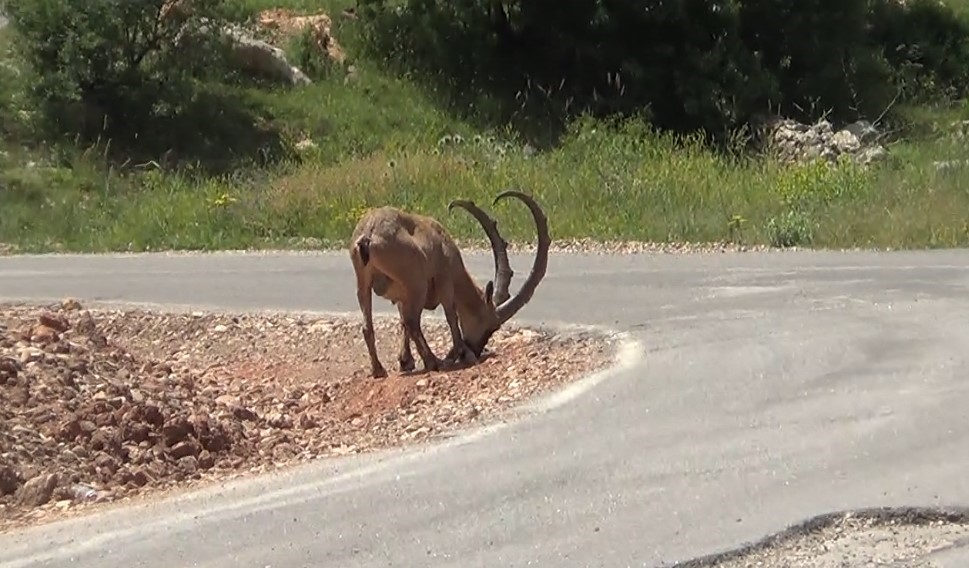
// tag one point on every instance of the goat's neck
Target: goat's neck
(467, 297)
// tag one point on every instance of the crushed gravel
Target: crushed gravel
(594, 246)
(886, 537)
(590, 246)
(558, 246)
(587, 246)
(103, 405)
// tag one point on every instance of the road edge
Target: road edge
(277, 489)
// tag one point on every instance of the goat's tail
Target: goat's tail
(363, 249)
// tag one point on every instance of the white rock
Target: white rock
(862, 129)
(872, 154)
(845, 142)
(262, 58)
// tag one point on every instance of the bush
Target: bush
(818, 183)
(927, 44)
(679, 63)
(793, 228)
(111, 67)
(11, 90)
(307, 56)
(686, 65)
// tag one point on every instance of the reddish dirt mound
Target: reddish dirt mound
(101, 405)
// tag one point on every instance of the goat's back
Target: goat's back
(393, 231)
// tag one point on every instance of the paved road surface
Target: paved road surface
(768, 388)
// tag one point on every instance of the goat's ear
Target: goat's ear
(490, 292)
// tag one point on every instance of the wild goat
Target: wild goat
(412, 261)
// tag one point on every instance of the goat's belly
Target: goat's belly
(390, 290)
(431, 302)
(381, 284)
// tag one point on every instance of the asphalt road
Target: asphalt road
(762, 389)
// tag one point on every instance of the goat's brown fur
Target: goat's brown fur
(412, 260)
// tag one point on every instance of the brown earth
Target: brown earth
(282, 24)
(105, 405)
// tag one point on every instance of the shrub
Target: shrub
(791, 229)
(927, 44)
(11, 90)
(680, 63)
(816, 184)
(111, 66)
(306, 55)
(710, 65)
(818, 57)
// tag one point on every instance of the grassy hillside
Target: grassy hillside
(381, 139)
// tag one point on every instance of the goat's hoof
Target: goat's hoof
(461, 355)
(432, 365)
(379, 373)
(406, 365)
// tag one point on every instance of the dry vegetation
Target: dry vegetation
(104, 405)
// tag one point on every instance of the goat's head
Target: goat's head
(495, 305)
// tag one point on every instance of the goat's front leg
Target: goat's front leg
(412, 322)
(459, 349)
(405, 358)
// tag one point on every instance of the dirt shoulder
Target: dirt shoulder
(101, 405)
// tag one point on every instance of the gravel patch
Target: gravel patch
(104, 405)
(586, 246)
(903, 537)
(590, 246)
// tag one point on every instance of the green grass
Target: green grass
(378, 140)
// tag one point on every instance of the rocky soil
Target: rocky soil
(912, 538)
(105, 405)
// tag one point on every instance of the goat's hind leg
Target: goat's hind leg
(365, 299)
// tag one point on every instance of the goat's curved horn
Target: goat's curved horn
(499, 247)
(509, 308)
